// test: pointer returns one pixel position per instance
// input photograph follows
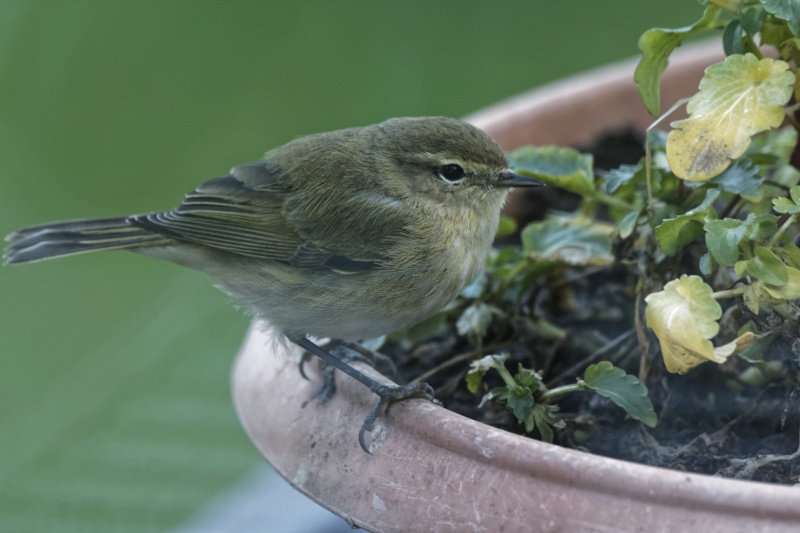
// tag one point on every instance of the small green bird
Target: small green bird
(350, 234)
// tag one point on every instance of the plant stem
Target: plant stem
(506, 375)
(558, 391)
(781, 230)
(613, 201)
(729, 293)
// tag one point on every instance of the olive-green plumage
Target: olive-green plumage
(350, 234)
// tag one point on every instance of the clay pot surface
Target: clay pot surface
(434, 470)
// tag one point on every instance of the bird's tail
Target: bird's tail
(60, 239)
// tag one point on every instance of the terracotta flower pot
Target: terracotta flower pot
(434, 470)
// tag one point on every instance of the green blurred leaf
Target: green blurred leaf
(476, 319)
(732, 38)
(790, 254)
(623, 389)
(706, 264)
(738, 98)
(752, 18)
(673, 234)
(788, 206)
(723, 238)
(478, 369)
(544, 419)
(507, 226)
(761, 226)
(628, 223)
(566, 168)
(656, 46)
(614, 179)
(779, 143)
(788, 10)
(740, 178)
(789, 290)
(767, 267)
(570, 241)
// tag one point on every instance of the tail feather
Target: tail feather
(60, 239)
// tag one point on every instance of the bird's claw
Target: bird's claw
(388, 395)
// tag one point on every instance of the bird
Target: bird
(349, 234)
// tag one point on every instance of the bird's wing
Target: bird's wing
(243, 214)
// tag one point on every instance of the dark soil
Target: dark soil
(710, 420)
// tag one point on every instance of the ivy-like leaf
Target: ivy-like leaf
(614, 179)
(723, 238)
(684, 317)
(732, 38)
(571, 241)
(738, 97)
(476, 319)
(752, 18)
(740, 178)
(788, 206)
(767, 267)
(761, 226)
(788, 10)
(477, 369)
(673, 234)
(628, 223)
(544, 419)
(789, 290)
(623, 389)
(656, 46)
(566, 168)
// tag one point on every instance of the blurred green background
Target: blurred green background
(115, 411)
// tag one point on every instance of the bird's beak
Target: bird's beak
(509, 179)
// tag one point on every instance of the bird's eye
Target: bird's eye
(451, 173)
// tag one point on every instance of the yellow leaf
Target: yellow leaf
(789, 291)
(737, 345)
(738, 98)
(684, 317)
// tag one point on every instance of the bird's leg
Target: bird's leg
(347, 352)
(387, 394)
(373, 358)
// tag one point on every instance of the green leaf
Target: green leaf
(778, 143)
(740, 178)
(478, 369)
(623, 389)
(789, 290)
(706, 264)
(788, 206)
(656, 46)
(673, 234)
(571, 241)
(507, 226)
(790, 254)
(752, 19)
(476, 319)
(544, 419)
(738, 98)
(723, 238)
(566, 168)
(732, 38)
(628, 223)
(761, 226)
(614, 179)
(788, 10)
(767, 267)
(520, 402)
